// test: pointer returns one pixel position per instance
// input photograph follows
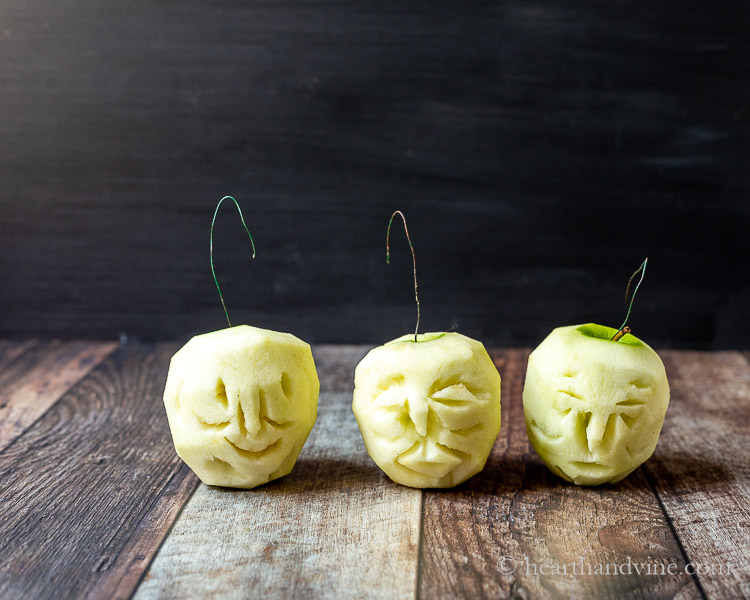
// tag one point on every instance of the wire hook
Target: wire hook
(642, 270)
(413, 259)
(211, 248)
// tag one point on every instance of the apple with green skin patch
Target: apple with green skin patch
(240, 403)
(428, 410)
(594, 407)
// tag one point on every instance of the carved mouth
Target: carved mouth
(254, 454)
(592, 468)
(271, 433)
(431, 459)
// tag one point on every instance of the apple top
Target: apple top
(604, 333)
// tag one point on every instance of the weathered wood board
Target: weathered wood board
(34, 376)
(518, 530)
(85, 493)
(701, 469)
(95, 503)
(335, 527)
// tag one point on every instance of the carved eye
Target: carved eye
(390, 416)
(457, 406)
(275, 402)
(456, 395)
(392, 397)
(453, 381)
(391, 381)
(208, 401)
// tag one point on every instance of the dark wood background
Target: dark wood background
(539, 149)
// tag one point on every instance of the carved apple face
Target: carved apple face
(241, 403)
(429, 411)
(594, 408)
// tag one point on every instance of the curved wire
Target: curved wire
(413, 260)
(642, 271)
(211, 248)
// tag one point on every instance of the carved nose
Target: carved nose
(418, 415)
(252, 423)
(595, 431)
(248, 416)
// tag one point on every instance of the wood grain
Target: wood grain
(336, 527)
(335, 365)
(88, 492)
(495, 128)
(117, 577)
(516, 530)
(10, 350)
(701, 467)
(34, 376)
(95, 503)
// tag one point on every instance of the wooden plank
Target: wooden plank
(13, 362)
(38, 376)
(336, 527)
(335, 364)
(513, 529)
(120, 575)
(701, 468)
(88, 492)
(9, 350)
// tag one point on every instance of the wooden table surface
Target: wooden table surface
(95, 503)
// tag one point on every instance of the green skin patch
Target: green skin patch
(423, 337)
(604, 333)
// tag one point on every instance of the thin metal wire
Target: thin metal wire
(642, 271)
(413, 259)
(211, 248)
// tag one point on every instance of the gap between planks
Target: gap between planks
(335, 527)
(311, 534)
(700, 469)
(493, 536)
(308, 537)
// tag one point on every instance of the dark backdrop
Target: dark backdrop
(539, 150)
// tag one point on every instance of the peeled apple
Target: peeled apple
(428, 410)
(594, 407)
(240, 403)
